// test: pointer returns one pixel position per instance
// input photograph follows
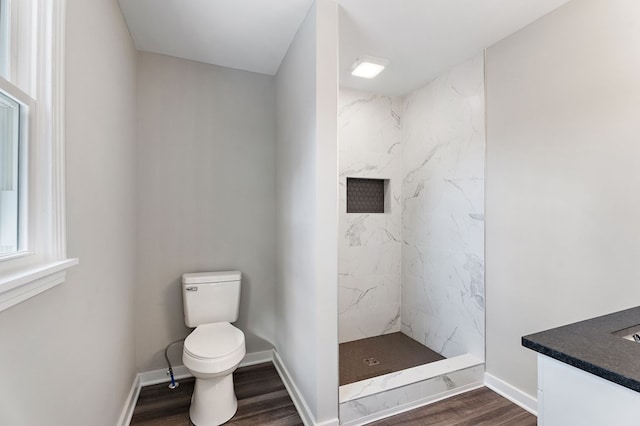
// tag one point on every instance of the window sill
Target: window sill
(23, 284)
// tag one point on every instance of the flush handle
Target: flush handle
(192, 288)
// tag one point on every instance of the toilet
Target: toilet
(215, 348)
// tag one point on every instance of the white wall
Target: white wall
(306, 193)
(563, 172)
(206, 195)
(67, 355)
(443, 153)
(369, 243)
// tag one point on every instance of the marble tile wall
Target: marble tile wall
(360, 411)
(402, 378)
(443, 151)
(370, 244)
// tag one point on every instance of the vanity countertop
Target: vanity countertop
(594, 346)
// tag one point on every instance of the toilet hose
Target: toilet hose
(173, 383)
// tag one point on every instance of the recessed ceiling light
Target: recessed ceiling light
(368, 67)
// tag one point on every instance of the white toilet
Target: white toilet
(214, 349)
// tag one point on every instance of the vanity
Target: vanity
(589, 372)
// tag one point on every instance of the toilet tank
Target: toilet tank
(210, 297)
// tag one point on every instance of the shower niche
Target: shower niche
(367, 195)
(411, 280)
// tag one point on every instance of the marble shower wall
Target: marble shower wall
(370, 244)
(358, 411)
(443, 151)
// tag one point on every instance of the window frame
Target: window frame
(26, 105)
(5, 37)
(44, 264)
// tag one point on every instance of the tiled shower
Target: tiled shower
(417, 268)
(443, 152)
(370, 244)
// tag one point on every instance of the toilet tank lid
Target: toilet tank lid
(211, 277)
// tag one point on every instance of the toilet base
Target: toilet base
(213, 401)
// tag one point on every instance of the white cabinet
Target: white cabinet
(568, 396)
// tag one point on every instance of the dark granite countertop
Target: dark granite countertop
(594, 346)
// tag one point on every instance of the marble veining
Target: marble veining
(419, 267)
(359, 410)
(370, 244)
(443, 146)
(376, 385)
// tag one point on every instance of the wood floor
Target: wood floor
(262, 400)
(480, 407)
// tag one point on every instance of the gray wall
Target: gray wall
(206, 195)
(67, 355)
(306, 176)
(563, 171)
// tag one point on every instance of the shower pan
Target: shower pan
(411, 244)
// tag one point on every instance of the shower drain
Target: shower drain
(371, 361)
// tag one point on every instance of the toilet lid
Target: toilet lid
(214, 340)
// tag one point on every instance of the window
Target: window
(4, 38)
(32, 232)
(10, 237)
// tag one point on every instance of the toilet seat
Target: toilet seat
(216, 340)
(214, 348)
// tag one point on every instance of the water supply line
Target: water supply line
(173, 383)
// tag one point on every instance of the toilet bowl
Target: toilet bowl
(215, 348)
(211, 353)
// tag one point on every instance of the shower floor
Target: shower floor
(366, 358)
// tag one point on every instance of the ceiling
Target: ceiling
(423, 38)
(249, 35)
(420, 38)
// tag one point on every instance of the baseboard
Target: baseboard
(154, 377)
(130, 403)
(294, 393)
(257, 358)
(512, 393)
(301, 405)
(412, 405)
(332, 422)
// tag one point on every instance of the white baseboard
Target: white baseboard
(412, 405)
(130, 403)
(332, 422)
(294, 393)
(257, 358)
(301, 405)
(154, 377)
(512, 393)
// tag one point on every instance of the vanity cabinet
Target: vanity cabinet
(568, 396)
(589, 371)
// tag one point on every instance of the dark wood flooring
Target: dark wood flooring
(394, 352)
(262, 400)
(480, 407)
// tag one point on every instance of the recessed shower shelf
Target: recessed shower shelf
(366, 195)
